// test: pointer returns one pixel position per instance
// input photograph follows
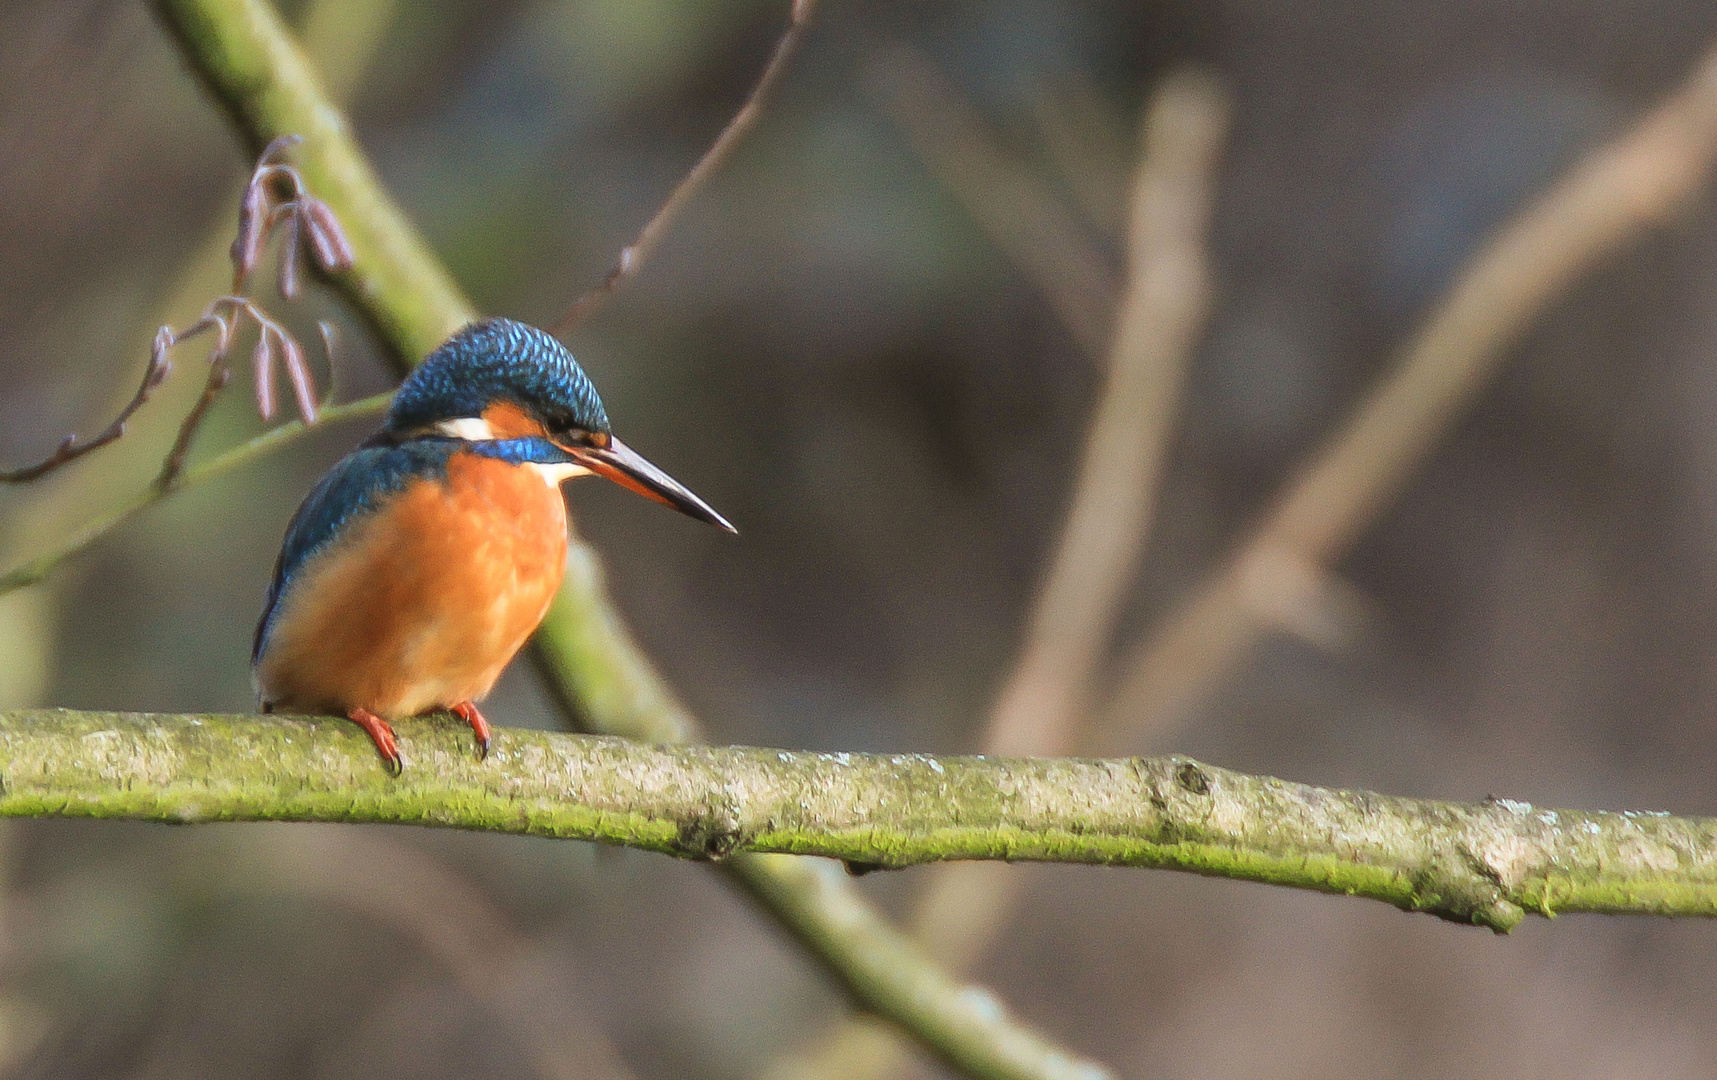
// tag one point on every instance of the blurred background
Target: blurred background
(842, 351)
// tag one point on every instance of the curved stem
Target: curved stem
(261, 77)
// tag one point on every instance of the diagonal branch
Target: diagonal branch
(270, 89)
(250, 63)
(1641, 179)
(40, 566)
(589, 660)
(1486, 864)
(454, 922)
(964, 906)
(345, 33)
(1108, 524)
(1161, 312)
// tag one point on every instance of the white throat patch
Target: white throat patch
(555, 475)
(469, 428)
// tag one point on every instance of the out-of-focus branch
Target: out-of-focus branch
(453, 921)
(1106, 530)
(259, 214)
(1486, 864)
(1641, 179)
(1017, 208)
(1108, 524)
(964, 1024)
(591, 662)
(36, 568)
(200, 275)
(250, 63)
(343, 36)
(633, 255)
(1090, 146)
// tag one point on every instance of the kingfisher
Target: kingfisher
(421, 563)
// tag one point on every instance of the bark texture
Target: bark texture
(1483, 863)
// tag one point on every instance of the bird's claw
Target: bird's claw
(382, 735)
(467, 711)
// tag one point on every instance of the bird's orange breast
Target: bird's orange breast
(426, 600)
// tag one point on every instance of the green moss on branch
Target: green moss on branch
(1481, 863)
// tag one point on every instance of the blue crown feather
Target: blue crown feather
(499, 360)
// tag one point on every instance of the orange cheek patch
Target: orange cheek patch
(509, 421)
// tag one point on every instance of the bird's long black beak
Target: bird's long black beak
(628, 468)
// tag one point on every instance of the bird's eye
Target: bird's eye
(577, 436)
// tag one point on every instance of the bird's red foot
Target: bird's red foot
(380, 734)
(467, 712)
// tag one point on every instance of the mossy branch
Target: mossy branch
(1483, 863)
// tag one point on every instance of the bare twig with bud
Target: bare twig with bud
(70, 449)
(632, 256)
(275, 200)
(275, 347)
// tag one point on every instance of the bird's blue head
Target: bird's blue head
(506, 384)
(505, 370)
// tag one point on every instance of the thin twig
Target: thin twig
(396, 282)
(219, 372)
(69, 450)
(343, 34)
(633, 255)
(307, 226)
(174, 476)
(1643, 178)
(1018, 209)
(40, 566)
(273, 340)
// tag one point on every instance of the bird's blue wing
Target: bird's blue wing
(361, 482)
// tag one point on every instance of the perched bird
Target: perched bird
(421, 563)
